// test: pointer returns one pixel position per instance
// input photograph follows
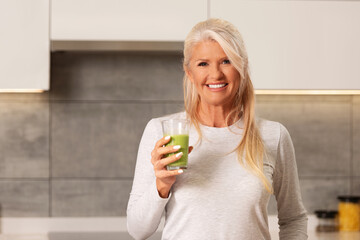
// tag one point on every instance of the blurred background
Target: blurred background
(103, 69)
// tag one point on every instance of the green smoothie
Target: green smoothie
(183, 141)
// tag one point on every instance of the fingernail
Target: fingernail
(180, 171)
(167, 137)
(177, 147)
(179, 154)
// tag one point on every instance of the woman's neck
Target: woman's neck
(214, 116)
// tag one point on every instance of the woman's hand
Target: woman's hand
(164, 178)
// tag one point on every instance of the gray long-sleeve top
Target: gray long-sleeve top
(216, 197)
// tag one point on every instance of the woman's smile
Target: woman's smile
(217, 86)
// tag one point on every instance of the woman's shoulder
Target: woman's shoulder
(268, 127)
(271, 132)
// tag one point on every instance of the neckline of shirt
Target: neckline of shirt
(235, 127)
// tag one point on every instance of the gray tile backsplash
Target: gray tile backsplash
(320, 130)
(71, 152)
(99, 139)
(24, 198)
(272, 207)
(356, 137)
(355, 186)
(89, 198)
(24, 139)
(321, 193)
(125, 76)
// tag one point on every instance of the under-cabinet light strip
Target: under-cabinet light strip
(307, 92)
(21, 90)
(259, 92)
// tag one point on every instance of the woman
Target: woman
(237, 160)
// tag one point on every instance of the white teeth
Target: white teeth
(216, 85)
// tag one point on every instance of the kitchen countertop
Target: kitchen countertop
(115, 229)
(23, 237)
(335, 236)
(329, 236)
(125, 236)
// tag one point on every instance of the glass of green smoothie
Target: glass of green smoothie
(178, 130)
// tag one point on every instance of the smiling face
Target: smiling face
(210, 70)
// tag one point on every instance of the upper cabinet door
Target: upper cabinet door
(298, 44)
(124, 20)
(24, 48)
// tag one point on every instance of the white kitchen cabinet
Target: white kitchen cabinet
(24, 48)
(123, 20)
(298, 44)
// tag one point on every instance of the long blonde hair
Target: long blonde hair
(250, 150)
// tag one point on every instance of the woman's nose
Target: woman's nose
(216, 72)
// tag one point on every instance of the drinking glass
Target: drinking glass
(178, 130)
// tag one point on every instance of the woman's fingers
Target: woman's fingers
(155, 155)
(165, 161)
(164, 178)
(162, 141)
(165, 173)
(190, 149)
(168, 149)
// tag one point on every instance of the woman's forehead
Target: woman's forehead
(206, 50)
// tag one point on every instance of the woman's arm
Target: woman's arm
(145, 206)
(152, 182)
(291, 212)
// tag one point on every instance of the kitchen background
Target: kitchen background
(71, 152)
(113, 65)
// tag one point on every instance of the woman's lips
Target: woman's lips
(217, 86)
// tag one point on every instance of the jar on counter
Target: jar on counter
(349, 213)
(327, 221)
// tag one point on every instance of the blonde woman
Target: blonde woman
(237, 161)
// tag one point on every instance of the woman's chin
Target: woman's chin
(218, 102)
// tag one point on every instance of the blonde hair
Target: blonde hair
(250, 150)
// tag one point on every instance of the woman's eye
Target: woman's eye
(227, 61)
(202, 64)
